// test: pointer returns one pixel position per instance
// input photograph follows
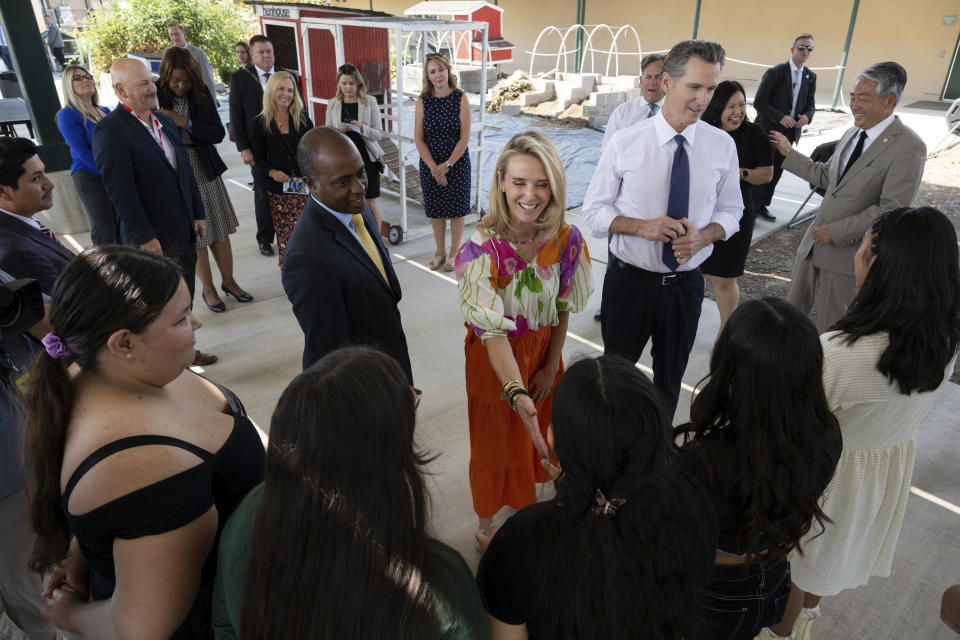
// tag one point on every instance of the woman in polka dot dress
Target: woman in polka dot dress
(442, 133)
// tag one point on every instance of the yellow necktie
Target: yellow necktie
(367, 243)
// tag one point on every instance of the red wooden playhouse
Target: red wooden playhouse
(468, 46)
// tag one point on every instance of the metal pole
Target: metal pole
(846, 50)
(581, 17)
(696, 21)
(483, 108)
(36, 81)
(399, 111)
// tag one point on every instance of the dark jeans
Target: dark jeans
(741, 600)
(96, 202)
(261, 205)
(639, 308)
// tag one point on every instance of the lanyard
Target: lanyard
(158, 136)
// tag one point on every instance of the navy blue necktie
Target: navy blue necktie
(678, 202)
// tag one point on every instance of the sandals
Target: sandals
(448, 265)
(437, 262)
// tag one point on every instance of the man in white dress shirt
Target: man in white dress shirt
(647, 105)
(877, 166)
(666, 188)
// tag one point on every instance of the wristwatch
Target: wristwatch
(449, 166)
(743, 172)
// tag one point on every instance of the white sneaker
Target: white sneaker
(766, 634)
(801, 629)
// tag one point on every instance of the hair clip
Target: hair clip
(606, 507)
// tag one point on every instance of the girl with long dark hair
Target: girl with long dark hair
(334, 543)
(623, 548)
(762, 442)
(138, 462)
(884, 362)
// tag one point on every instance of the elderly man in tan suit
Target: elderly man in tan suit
(876, 167)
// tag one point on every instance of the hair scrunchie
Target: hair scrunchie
(55, 347)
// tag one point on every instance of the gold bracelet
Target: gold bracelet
(508, 386)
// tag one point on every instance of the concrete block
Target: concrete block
(511, 109)
(620, 83)
(611, 98)
(544, 92)
(598, 122)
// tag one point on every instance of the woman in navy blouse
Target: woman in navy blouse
(76, 121)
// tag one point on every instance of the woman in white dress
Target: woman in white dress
(884, 362)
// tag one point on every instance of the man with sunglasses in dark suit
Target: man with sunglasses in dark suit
(785, 103)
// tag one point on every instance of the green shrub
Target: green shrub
(141, 25)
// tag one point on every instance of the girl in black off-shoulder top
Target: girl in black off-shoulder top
(138, 462)
(220, 480)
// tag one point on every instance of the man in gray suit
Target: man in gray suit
(179, 39)
(876, 167)
(54, 40)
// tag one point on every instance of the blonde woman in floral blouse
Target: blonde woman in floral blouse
(520, 275)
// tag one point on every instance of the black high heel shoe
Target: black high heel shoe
(243, 297)
(216, 308)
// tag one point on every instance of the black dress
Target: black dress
(730, 256)
(221, 480)
(350, 111)
(441, 133)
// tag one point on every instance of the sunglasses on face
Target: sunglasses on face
(804, 47)
(78, 77)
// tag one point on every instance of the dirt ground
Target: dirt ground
(770, 261)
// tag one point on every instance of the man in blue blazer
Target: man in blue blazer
(147, 174)
(27, 248)
(336, 270)
(785, 102)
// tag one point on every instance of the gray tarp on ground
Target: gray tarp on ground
(579, 148)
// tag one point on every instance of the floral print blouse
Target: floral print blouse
(501, 294)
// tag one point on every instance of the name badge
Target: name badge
(295, 185)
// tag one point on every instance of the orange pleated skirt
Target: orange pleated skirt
(504, 466)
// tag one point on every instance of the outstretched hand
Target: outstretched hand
(528, 414)
(779, 142)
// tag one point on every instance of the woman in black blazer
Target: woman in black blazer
(185, 99)
(274, 139)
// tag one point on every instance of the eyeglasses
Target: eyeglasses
(804, 47)
(78, 77)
